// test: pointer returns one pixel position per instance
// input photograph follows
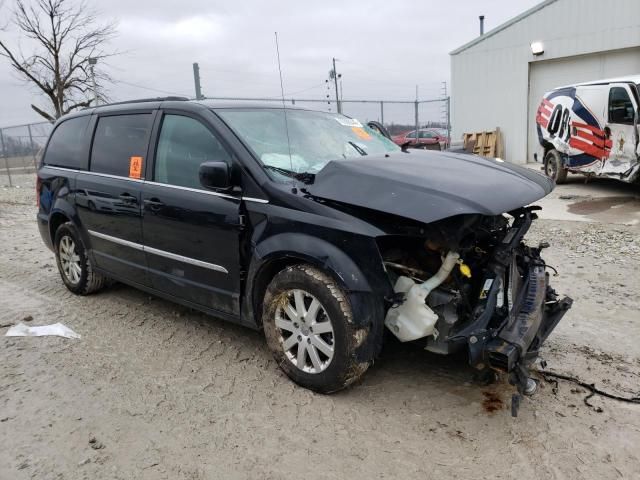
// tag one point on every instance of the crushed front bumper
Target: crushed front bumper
(511, 342)
(515, 346)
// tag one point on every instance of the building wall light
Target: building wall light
(537, 48)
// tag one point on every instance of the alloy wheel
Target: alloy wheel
(306, 331)
(69, 259)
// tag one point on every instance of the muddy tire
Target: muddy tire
(553, 167)
(74, 264)
(309, 329)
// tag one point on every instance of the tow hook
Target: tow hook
(526, 386)
(531, 387)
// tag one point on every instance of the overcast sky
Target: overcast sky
(384, 48)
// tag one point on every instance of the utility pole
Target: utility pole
(196, 81)
(416, 111)
(92, 62)
(447, 112)
(335, 76)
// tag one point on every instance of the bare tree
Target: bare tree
(65, 35)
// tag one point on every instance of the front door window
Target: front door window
(184, 145)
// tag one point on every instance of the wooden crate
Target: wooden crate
(486, 144)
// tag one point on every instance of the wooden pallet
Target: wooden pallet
(486, 144)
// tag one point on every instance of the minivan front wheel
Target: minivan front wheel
(309, 329)
(73, 262)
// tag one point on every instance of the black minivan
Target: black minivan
(308, 225)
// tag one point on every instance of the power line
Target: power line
(151, 89)
(306, 89)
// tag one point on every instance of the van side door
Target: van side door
(622, 107)
(108, 195)
(191, 234)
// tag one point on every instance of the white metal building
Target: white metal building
(498, 82)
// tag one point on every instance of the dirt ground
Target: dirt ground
(153, 390)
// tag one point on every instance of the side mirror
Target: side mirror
(215, 175)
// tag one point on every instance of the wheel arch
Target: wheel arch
(365, 295)
(278, 252)
(56, 219)
(546, 147)
(61, 212)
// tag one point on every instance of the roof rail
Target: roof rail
(144, 100)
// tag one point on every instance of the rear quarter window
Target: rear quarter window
(119, 141)
(68, 144)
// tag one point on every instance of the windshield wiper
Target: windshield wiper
(359, 149)
(304, 177)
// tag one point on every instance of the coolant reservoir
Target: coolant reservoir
(413, 319)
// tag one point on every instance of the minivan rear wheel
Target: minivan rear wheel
(309, 329)
(74, 264)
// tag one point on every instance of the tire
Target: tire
(553, 167)
(74, 264)
(287, 333)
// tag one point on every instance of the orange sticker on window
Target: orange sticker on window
(135, 167)
(360, 132)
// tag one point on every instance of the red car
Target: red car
(428, 138)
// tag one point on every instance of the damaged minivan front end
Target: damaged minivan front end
(472, 282)
(462, 274)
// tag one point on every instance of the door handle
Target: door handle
(154, 204)
(128, 198)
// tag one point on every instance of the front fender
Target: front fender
(365, 293)
(315, 251)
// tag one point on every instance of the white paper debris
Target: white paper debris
(58, 329)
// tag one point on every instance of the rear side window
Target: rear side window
(184, 144)
(68, 145)
(120, 145)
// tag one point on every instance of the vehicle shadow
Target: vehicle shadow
(402, 368)
(412, 361)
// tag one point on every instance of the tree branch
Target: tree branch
(66, 34)
(44, 114)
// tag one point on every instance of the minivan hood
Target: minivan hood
(427, 186)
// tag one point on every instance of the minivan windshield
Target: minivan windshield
(307, 142)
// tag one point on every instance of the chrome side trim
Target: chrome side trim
(108, 175)
(180, 258)
(119, 241)
(162, 253)
(149, 182)
(256, 200)
(196, 190)
(61, 168)
(96, 174)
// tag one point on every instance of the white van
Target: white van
(591, 128)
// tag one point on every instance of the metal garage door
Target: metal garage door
(549, 74)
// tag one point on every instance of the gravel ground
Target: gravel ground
(153, 390)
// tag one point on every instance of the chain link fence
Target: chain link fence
(20, 147)
(397, 116)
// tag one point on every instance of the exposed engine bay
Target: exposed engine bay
(471, 281)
